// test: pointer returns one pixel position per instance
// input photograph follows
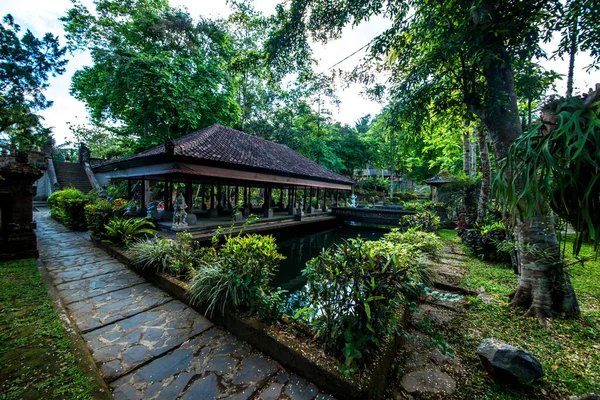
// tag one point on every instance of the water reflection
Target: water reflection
(300, 249)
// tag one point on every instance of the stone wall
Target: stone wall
(17, 235)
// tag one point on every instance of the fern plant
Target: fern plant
(121, 231)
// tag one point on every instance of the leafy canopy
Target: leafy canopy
(25, 66)
(157, 73)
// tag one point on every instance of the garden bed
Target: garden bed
(308, 361)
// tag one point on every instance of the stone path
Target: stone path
(147, 344)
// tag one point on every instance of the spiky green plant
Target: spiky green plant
(122, 231)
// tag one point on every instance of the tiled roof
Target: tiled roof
(221, 144)
(442, 177)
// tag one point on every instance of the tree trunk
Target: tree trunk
(573, 37)
(486, 179)
(544, 287)
(474, 152)
(466, 155)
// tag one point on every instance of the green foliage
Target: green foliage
(425, 242)
(67, 206)
(154, 68)
(488, 240)
(355, 292)
(560, 165)
(102, 142)
(122, 231)
(237, 277)
(177, 257)
(26, 65)
(565, 348)
(99, 213)
(426, 221)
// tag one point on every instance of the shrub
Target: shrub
(99, 213)
(355, 291)
(67, 206)
(176, 257)
(426, 221)
(488, 241)
(238, 277)
(406, 196)
(425, 242)
(122, 231)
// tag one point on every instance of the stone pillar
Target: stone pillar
(17, 237)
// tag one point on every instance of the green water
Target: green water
(299, 249)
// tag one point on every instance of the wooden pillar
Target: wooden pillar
(324, 200)
(236, 196)
(171, 195)
(304, 199)
(189, 194)
(318, 196)
(167, 195)
(143, 192)
(201, 196)
(219, 200)
(212, 197)
(267, 202)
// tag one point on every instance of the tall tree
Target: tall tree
(474, 45)
(157, 73)
(25, 66)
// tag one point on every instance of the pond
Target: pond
(301, 248)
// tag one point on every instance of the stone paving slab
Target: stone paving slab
(214, 365)
(99, 311)
(72, 292)
(75, 271)
(77, 261)
(120, 347)
(81, 250)
(290, 386)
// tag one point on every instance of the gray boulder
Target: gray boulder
(506, 362)
(589, 396)
(428, 382)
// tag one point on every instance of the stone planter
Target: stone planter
(305, 360)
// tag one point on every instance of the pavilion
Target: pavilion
(218, 167)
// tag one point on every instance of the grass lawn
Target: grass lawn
(35, 356)
(569, 349)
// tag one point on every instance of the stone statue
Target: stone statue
(299, 210)
(152, 210)
(179, 214)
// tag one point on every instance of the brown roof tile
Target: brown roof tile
(221, 144)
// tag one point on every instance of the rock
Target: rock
(507, 362)
(428, 382)
(589, 396)
(486, 299)
(438, 358)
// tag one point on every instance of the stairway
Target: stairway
(72, 174)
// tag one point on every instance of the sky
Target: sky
(41, 16)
